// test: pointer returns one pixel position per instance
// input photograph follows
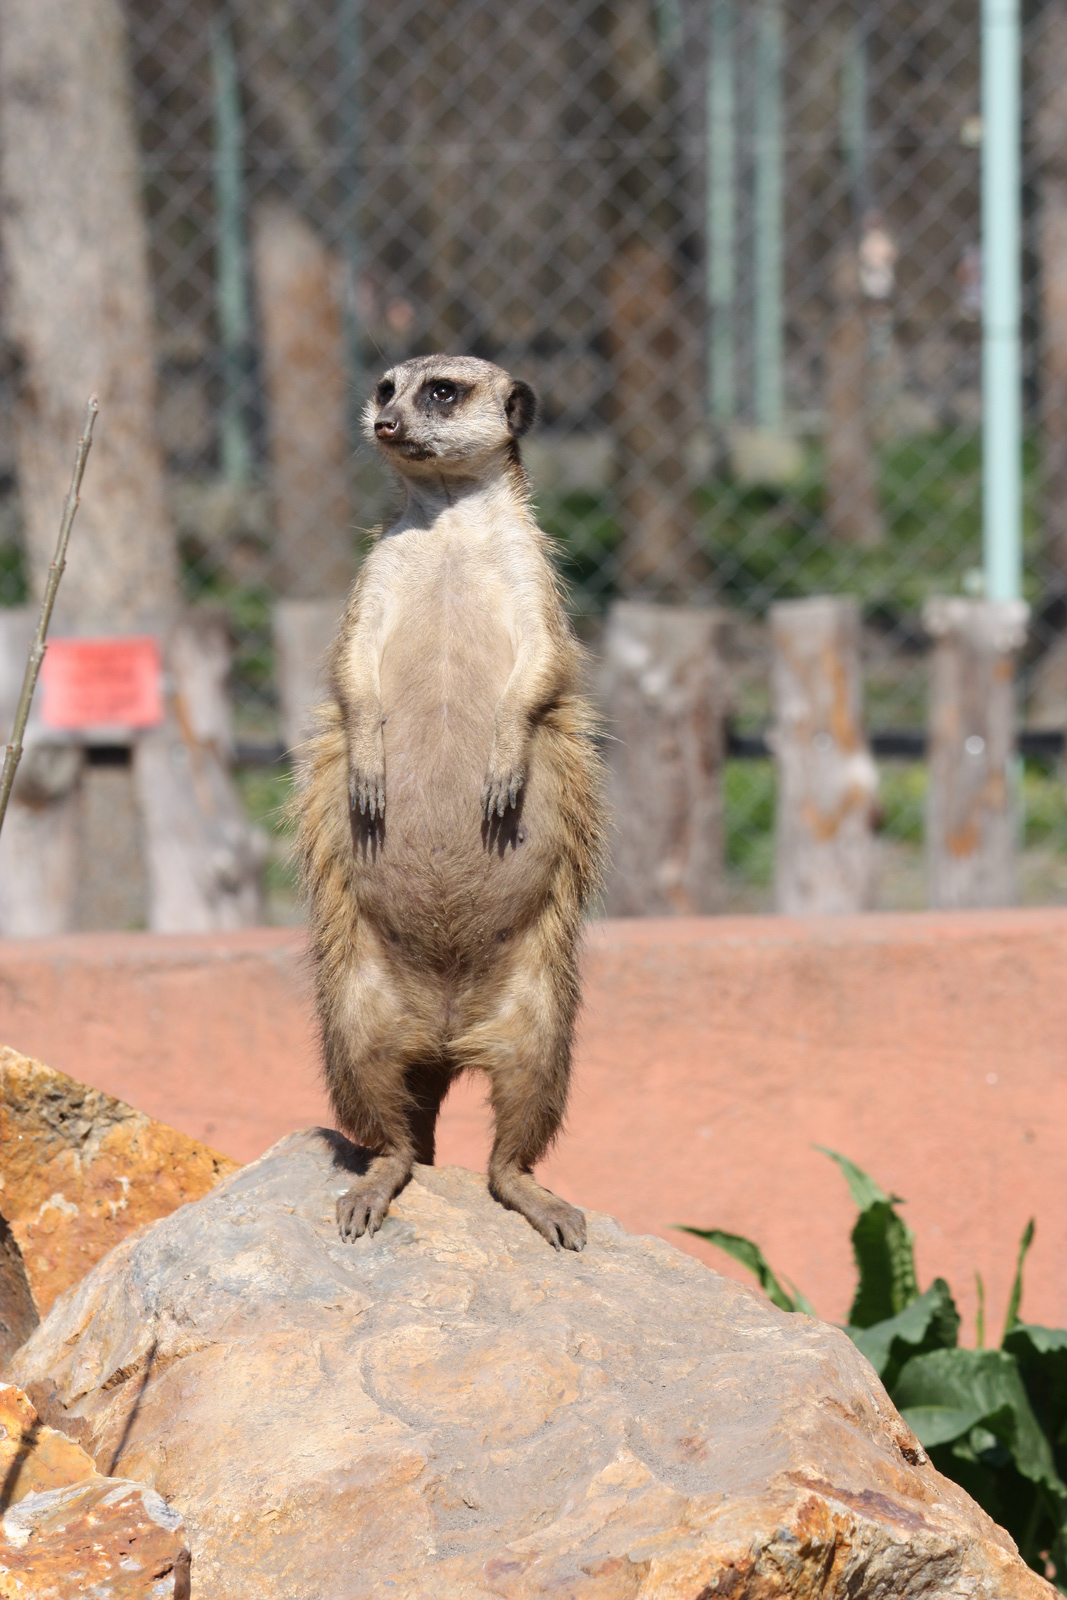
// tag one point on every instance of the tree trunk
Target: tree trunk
(659, 548)
(79, 310)
(664, 693)
(852, 511)
(299, 285)
(1050, 129)
(971, 808)
(827, 781)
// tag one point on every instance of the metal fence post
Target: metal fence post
(1001, 361)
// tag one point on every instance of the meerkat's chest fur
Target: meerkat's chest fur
(471, 572)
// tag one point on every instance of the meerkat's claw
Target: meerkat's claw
(499, 793)
(367, 795)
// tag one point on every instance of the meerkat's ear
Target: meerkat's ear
(520, 408)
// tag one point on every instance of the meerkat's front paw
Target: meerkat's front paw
(366, 792)
(503, 781)
(366, 783)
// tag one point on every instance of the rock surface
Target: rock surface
(18, 1314)
(78, 1172)
(450, 1409)
(66, 1530)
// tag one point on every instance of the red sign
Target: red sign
(102, 683)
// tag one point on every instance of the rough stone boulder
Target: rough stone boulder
(78, 1172)
(65, 1530)
(451, 1409)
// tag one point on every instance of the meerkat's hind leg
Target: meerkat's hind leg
(525, 1049)
(363, 1207)
(562, 1224)
(371, 1041)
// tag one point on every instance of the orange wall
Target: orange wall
(713, 1053)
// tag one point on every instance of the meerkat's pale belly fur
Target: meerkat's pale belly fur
(443, 877)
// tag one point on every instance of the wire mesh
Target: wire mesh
(735, 246)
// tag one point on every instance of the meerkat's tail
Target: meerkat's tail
(324, 843)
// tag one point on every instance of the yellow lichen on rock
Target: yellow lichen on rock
(80, 1170)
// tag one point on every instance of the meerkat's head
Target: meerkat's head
(448, 415)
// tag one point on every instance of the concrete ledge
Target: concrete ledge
(929, 1047)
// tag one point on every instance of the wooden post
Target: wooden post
(38, 845)
(827, 781)
(203, 858)
(664, 692)
(971, 809)
(159, 839)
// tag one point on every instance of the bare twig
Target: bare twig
(13, 754)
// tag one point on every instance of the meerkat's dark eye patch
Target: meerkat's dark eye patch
(520, 408)
(442, 394)
(385, 392)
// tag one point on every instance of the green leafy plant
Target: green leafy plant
(995, 1420)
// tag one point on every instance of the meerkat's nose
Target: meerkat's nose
(386, 426)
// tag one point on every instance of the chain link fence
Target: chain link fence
(734, 244)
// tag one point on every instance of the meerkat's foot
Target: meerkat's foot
(561, 1224)
(362, 1208)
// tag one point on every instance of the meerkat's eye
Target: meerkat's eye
(444, 392)
(385, 392)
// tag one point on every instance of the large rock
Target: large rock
(78, 1172)
(66, 1530)
(451, 1409)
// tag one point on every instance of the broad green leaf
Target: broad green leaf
(934, 1425)
(1042, 1357)
(929, 1323)
(986, 1386)
(1016, 1296)
(863, 1189)
(882, 1244)
(751, 1256)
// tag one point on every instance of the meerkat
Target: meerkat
(450, 823)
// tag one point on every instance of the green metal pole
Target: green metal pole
(1001, 359)
(854, 117)
(721, 210)
(767, 253)
(350, 54)
(231, 255)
